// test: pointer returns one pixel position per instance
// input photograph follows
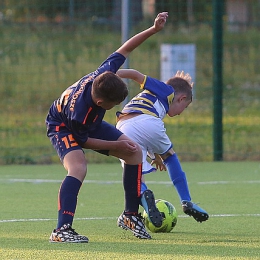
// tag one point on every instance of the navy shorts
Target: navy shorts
(64, 142)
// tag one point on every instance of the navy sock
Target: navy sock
(178, 177)
(67, 200)
(132, 175)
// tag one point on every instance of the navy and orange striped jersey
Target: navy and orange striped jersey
(75, 109)
(154, 100)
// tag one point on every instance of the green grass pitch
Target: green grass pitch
(229, 191)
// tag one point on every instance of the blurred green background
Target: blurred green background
(45, 46)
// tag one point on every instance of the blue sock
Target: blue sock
(178, 177)
(142, 201)
(67, 201)
(143, 187)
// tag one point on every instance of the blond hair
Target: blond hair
(181, 83)
(187, 77)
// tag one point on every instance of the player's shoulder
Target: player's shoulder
(154, 81)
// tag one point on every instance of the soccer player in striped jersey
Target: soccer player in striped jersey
(75, 122)
(142, 120)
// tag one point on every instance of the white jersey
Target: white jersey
(148, 129)
(149, 132)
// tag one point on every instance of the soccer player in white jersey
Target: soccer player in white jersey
(142, 120)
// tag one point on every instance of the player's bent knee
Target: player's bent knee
(78, 171)
(76, 165)
(130, 158)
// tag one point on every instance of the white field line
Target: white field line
(107, 218)
(119, 182)
(38, 181)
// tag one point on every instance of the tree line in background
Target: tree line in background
(189, 10)
(109, 11)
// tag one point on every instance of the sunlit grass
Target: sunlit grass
(230, 233)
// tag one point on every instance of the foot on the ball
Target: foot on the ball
(149, 205)
(194, 210)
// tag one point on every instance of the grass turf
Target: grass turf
(228, 191)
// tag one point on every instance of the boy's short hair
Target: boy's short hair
(109, 87)
(181, 83)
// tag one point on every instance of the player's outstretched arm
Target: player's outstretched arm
(131, 74)
(139, 38)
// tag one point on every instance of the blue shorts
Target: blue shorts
(63, 141)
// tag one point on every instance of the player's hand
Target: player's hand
(127, 146)
(158, 163)
(160, 21)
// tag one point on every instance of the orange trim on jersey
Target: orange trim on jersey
(95, 118)
(57, 128)
(58, 106)
(139, 179)
(85, 119)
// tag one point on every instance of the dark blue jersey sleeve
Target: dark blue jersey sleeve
(112, 63)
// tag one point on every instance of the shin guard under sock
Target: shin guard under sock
(132, 175)
(67, 200)
(178, 177)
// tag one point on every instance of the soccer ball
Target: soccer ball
(169, 214)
